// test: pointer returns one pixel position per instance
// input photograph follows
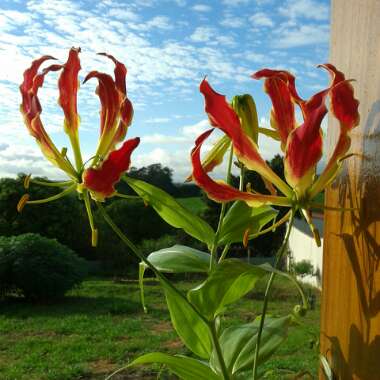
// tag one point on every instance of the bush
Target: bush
(151, 245)
(41, 268)
(303, 268)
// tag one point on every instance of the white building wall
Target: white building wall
(303, 247)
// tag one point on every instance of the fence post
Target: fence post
(350, 319)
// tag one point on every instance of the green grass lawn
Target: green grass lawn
(100, 327)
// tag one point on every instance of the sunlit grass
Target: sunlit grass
(101, 326)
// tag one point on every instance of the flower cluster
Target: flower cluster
(108, 164)
(302, 144)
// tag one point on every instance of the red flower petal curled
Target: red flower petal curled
(68, 89)
(222, 115)
(220, 191)
(101, 181)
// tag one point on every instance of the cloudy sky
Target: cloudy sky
(168, 47)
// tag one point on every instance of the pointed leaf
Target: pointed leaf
(176, 259)
(241, 217)
(171, 211)
(190, 327)
(231, 280)
(184, 367)
(238, 343)
(180, 259)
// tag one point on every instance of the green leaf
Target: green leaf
(238, 343)
(270, 133)
(171, 211)
(230, 280)
(180, 259)
(176, 259)
(240, 217)
(190, 327)
(184, 367)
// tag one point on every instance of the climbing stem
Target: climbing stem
(279, 256)
(223, 209)
(137, 253)
(218, 350)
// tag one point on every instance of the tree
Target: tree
(63, 219)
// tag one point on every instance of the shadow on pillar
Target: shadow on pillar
(363, 193)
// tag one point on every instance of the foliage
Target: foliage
(268, 244)
(41, 268)
(303, 268)
(137, 221)
(63, 219)
(148, 246)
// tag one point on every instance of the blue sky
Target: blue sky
(168, 47)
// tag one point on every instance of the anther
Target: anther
(22, 202)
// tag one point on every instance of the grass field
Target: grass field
(100, 327)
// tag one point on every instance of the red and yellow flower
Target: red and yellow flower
(301, 143)
(99, 178)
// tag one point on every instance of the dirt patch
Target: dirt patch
(102, 366)
(161, 327)
(174, 344)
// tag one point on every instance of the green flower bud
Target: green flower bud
(245, 108)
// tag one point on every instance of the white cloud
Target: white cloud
(261, 19)
(230, 21)
(202, 34)
(301, 36)
(201, 8)
(236, 3)
(157, 120)
(123, 14)
(310, 9)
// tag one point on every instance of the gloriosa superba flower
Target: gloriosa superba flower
(97, 179)
(301, 143)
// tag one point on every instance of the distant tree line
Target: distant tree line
(66, 220)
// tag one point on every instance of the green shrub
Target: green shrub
(151, 245)
(303, 268)
(41, 268)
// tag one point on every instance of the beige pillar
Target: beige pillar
(350, 319)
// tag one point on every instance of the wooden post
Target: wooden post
(350, 320)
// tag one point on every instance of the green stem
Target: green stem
(214, 247)
(54, 197)
(125, 196)
(280, 254)
(74, 139)
(241, 188)
(51, 184)
(136, 251)
(94, 231)
(218, 351)
(161, 277)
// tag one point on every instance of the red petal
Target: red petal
(109, 99)
(68, 89)
(31, 110)
(120, 73)
(222, 115)
(280, 86)
(221, 192)
(345, 108)
(304, 148)
(101, 181)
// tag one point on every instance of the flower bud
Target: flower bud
(245, 107)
